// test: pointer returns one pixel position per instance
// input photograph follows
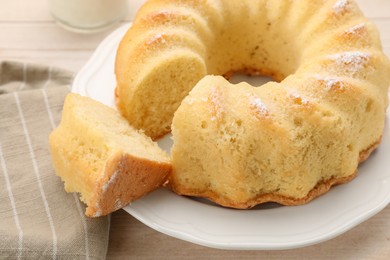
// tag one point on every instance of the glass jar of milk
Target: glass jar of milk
(88, 15)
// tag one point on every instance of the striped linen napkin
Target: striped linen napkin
(38, 219)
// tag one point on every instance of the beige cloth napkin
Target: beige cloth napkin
(38, 219)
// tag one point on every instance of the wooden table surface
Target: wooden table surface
(29, 34)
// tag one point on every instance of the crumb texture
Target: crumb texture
(99, 155)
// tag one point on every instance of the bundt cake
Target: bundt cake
(286, 141)
(97, 154)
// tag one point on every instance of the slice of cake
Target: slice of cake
(99, 155)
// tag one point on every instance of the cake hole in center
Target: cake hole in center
(253, 80)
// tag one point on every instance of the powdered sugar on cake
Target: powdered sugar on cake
(340, 7)
(215, 99)
(298, 98)
(354, 61)
(256, 104)
(330, 83)
(156, 38)
(355, 30)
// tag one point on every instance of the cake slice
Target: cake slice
(99, 155)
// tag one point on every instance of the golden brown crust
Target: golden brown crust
(318, 190)
(126, 178)
(363, 155)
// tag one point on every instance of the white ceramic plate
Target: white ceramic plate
(265, 227)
